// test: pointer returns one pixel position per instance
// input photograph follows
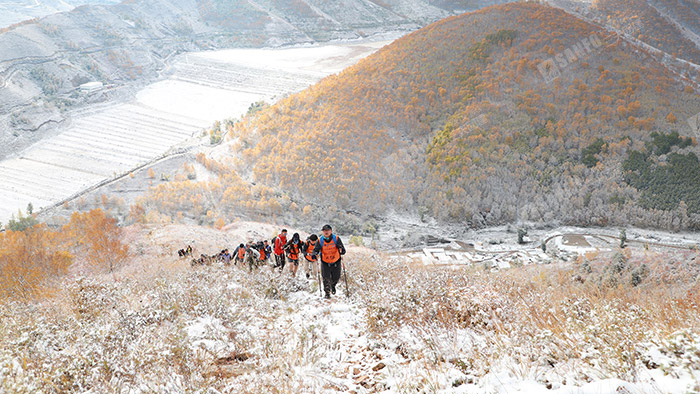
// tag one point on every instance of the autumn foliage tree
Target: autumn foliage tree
(457, 118)
(97, 239)
(31, 259)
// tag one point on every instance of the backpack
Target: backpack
(333, 237)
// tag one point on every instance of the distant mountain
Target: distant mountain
(43, 63)
(672, 26)
(323, 20)
(16, 11)
(519, 112)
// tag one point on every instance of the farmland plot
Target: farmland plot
(93, 148)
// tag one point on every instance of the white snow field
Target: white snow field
(204, 87)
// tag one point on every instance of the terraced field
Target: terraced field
(244, 79)
(93, 148)
(203, 87)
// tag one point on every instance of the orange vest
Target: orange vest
(330, 252)
(310, 251)
(293, 252)
(241, 253)
(262, 254)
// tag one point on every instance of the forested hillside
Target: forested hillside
(455, 121)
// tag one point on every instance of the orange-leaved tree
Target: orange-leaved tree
(96, 237)
(30, 258)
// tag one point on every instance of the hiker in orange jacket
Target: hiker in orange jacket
(239, 254)
(308, 251)
(293, 250)
(330, 249)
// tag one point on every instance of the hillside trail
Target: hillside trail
(335, 351)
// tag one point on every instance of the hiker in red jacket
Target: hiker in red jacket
(280, 241)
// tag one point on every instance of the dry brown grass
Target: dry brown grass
(542, 316)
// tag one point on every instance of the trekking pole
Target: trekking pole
(320, 285)
(345, 274)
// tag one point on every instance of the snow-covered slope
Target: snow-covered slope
(158, 325)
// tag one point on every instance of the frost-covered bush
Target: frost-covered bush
(102, 335)
(272, 285)
(397, 295)
(541, 318)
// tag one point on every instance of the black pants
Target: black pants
(251, 261)
(280, 260)
(331, 275)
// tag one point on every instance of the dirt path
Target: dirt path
(343, 358)
(629, 241)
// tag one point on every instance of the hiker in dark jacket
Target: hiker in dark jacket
(268, 250)
(329, 249)
(252, 256)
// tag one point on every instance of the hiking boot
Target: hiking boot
(328, 296)
(308, 276)
(333, 289)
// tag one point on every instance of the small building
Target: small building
(90, 87)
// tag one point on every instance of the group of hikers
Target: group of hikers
(324, 251)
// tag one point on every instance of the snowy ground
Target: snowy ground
(222, 84)
(201, 88)
(159, 325)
